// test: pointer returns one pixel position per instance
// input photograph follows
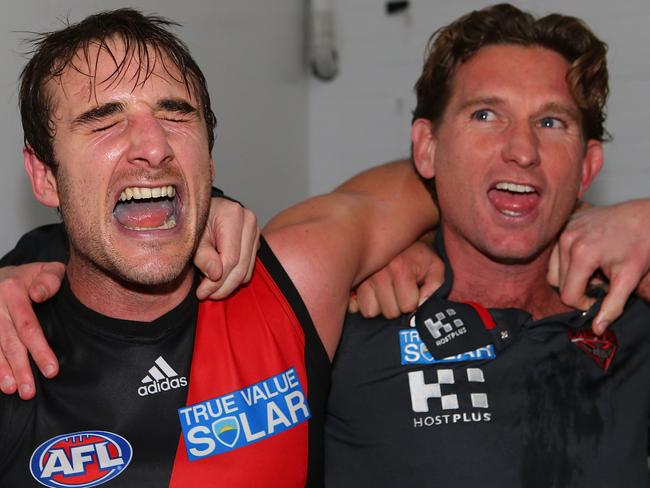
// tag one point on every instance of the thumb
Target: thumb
(208, 261)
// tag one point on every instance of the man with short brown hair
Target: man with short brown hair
(495, 381)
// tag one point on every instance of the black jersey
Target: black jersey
(45, 243)
(531, 404)
(119, 380)
(227, 393)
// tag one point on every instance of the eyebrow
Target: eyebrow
(111, 108)
(562, 109)
(98, 113)
(487, 101)
(176, 105)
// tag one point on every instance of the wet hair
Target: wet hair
(147, 40)
(505, 24)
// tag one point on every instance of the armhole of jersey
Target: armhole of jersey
(317, 362)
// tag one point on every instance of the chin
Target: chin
(152, 274)
(520, 253)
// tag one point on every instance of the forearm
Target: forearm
(375, 215)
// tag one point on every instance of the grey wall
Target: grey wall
(252, 55)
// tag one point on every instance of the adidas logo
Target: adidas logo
(160, 377)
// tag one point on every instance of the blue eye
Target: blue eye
(551, 123)
(483, 115)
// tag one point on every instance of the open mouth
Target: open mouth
(143, 208)
(513, 199)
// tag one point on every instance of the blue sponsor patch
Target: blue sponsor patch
(414, 351)
(80, 459)
(244, 416)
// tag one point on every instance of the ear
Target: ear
(42, 179)
(424, 147)
(591, 164)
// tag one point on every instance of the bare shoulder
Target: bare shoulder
(321, 256)
(330, 243)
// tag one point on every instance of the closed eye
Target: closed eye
(171, 118)
(104, 127)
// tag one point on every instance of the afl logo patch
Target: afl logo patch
(80, 459)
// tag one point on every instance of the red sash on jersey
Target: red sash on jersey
(240, 341)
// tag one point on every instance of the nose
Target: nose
(522, 145)
(148, 142)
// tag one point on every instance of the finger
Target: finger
(621, 286)
(368, 304)
(228, 235)
(16, 356)
(208, 261)
(242, 268)
(382, 284)
(250, 245)
(432, 281)
(406, 291)
(578, 272)
(28, 337)
(47, 282)
(553, 272)
(353, 304)
(251, 265)
(565, 250)
(31, 335)
(230, 283)
(7, 382)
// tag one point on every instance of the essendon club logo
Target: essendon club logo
(600, 348)
(81, 459)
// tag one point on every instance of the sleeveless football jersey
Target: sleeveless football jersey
(227, 393)
(461, 396)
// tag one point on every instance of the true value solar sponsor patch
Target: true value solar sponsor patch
(244, 416)
(414, 351)
(80, 459)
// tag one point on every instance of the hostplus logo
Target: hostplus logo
(161, 377)
(456, 396)
(445, 327)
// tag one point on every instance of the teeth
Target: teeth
(137, 193)
(514, 188)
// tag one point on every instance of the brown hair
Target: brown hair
(53, 53)
(455, 43)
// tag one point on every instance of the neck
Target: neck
(495, 284)
(110, 296)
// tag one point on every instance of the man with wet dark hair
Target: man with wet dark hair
(155, 387)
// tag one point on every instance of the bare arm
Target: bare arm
(328, 244)
(615, 240)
